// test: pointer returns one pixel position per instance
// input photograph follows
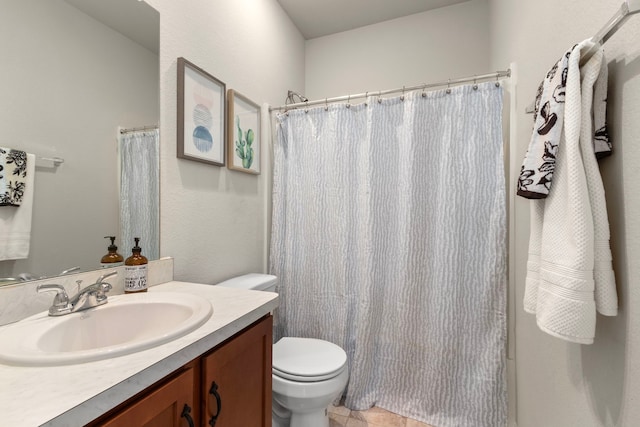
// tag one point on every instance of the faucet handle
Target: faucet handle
(100, 290)
(61, 297)
(104, 287)
(61, 304)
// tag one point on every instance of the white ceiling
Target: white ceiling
(316, 18)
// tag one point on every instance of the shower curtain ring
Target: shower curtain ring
(448, 85)
(475, 83)
(349, 101)
(326, 105)
(379, 97)
(366, 97)
(402, 96)
(306, 106)
(424, 95)
(497, 82)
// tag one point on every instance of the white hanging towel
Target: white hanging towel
(569, 273)
(15, 221)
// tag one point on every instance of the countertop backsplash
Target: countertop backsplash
(21, 300)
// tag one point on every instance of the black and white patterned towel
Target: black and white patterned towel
(539, 163)
(13, 174)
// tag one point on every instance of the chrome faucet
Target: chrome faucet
(91, 296)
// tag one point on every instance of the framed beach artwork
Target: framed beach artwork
(243, 143)
(201, 115)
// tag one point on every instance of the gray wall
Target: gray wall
(214, 220)
(426, 47)
(561, 384)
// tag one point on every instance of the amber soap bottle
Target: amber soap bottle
(113, 258)
(135, 271)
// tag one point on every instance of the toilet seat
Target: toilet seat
(307, 379)
(307, 359)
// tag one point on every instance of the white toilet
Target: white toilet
(308, 374)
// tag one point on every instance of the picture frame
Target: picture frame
(244, 136)
(201, 117)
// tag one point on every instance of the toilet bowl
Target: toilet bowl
(307, 373)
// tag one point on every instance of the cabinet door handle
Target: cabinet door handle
(186, 411)
(214, 391)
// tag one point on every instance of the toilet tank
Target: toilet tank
(253, 281)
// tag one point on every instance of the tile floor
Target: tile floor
(339, 416)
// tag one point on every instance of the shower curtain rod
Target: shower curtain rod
(141, 128)
(628, 8)
(477, 78)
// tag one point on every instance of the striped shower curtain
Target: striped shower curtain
(139, 192)
(389, 239)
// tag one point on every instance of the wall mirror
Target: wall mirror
(75, 72)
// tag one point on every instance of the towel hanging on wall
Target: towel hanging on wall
(15, 223)
(569, 272)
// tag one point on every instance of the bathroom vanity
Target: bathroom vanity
(236, 376)
(221, 368)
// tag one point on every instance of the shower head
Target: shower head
(291, 97)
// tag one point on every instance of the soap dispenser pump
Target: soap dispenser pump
(113, 258)
(135, 271)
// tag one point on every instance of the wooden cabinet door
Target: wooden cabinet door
(237, 379)
(162, 407)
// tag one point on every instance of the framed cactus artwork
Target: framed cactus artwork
(201, 115)
(243, 140)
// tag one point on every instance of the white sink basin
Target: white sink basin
(126, 324)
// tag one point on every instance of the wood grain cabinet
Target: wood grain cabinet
(167, 405)
(230, 386)
(237, 380)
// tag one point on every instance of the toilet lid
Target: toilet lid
(307, 359)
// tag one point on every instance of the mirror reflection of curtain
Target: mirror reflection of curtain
(139, 192)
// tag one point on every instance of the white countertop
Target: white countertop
(76, 394)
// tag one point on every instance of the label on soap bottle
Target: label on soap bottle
(135, 278)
